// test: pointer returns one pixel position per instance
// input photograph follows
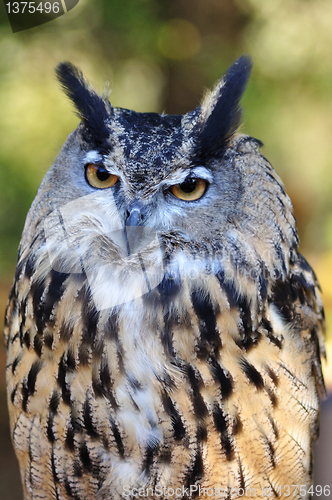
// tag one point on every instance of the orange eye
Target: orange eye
(98, 177)
(190, 190)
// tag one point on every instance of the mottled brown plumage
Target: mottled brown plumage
(163, 332)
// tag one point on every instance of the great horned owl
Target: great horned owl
(163, 331)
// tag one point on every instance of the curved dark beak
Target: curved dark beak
(134, 217)
(133, 228)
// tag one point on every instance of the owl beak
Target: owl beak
(134, 217)
(133, 229)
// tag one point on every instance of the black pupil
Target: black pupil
(102, 174)
(189, 185)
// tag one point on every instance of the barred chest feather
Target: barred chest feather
(199, 383)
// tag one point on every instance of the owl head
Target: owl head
(151, 186)
(159, 169)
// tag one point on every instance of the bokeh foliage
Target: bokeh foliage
(160, 55)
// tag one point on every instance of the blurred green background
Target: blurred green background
(160, 55)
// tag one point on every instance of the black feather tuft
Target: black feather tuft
(92, 109)
(225, 116)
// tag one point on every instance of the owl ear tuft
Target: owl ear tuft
(91, 108)
(220, 110)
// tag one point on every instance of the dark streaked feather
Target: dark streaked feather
(91, 108)
(226, 114)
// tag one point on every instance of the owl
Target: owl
(163, 332)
